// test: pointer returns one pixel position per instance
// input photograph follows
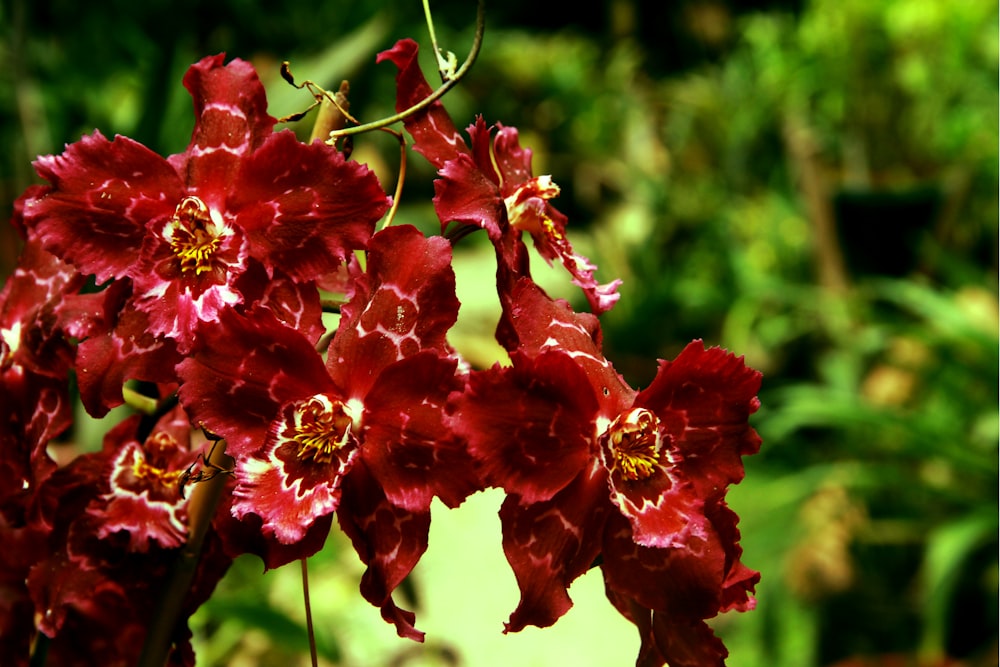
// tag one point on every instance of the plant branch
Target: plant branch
(829, 255)
(399, 179)
(446, 64)
(433, 97)
(309, 618)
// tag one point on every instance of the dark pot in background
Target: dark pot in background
(881, 231)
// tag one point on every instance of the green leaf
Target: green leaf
(948, 550)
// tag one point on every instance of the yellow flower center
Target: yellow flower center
(142, 470)
(321, 427)
(193, 236)
(635, 443)
(526, 207)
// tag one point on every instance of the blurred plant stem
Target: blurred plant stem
(802, 151)
(204, 500)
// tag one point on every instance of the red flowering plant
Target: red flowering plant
(194, 287)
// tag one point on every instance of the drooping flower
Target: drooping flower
(594, 469)
(489, 184)
(242, 202)
(362, 433)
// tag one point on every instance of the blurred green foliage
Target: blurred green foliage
(812, 186)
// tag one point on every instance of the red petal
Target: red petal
(30, 193)
(24, 545)
(31, 331)
(684, 582)
(485, 158)
(246, 368)
(33, 409)
(246, 535)
(466, 195)
(549, 544)
(551, 241)
(120, 348)
(289, 493)
(740, 580)
(404, 303)
(143, 495)
(433, 132)
(687, 643)
(556, 245)
(231, 121)
(407, 446)
(530, 426)
(513, 161)
(178, 302)
(542, 323)
(104, 196)
(304, 207)
(649, 654)
(134, 508)
(663, 510)
(388, 539)
(296, 305)
(703, 400)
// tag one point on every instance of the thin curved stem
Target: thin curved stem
(399, 180)
(446, 65)
(433, 97)
(309, 619)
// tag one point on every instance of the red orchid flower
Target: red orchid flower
(144, 499)
(111, 523)
(35, 360)
(242, 202)
(489, 184)
(595, 469)
(362, 433)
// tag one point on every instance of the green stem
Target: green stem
(139, 402)
(446, 66)
(204, 500)
(399, 181)
(309, 619)
(433, 97)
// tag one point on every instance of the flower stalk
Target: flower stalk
(204, 502)
(449, 82)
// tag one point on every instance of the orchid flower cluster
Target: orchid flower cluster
(294, 358)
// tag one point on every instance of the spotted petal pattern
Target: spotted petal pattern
(398, 308)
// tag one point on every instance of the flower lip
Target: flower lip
(321, 427)
(636, 445)
(10, 341)
(526, 207)
(143, 471)
(193, 236)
